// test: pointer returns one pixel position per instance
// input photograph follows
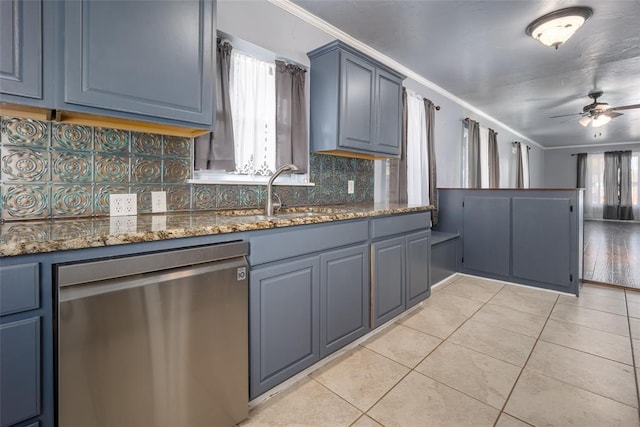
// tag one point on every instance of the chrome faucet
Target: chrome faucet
(268, 209)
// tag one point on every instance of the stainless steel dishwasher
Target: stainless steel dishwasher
(159, 339)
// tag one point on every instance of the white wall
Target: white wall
(266, 25)
(560, 167)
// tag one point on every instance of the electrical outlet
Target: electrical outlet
(123, 224)
(350, 186)
(123, 204)
(158, 201)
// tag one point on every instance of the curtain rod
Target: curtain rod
(516, 142)
(466, 119)
(601, 152)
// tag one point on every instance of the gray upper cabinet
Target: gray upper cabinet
(388, 120)
(486, 235)
(367, 96)
(357, 98)
(151, 61)
(25, 38)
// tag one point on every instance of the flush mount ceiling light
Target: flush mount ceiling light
(557, 27)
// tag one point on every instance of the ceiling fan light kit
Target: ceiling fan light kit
(555, 28)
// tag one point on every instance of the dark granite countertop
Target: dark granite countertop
(32, 237)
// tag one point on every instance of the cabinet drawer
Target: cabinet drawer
(19, 288)
(399, 224)
(274, 245)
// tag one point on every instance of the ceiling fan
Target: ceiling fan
(598, 113)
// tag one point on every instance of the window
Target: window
(258, 128)
(252, 89)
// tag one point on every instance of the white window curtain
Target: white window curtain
(417, 153)
(253, 111)
(635, 184)
(525, 166)
(484, 157)
(594, 186)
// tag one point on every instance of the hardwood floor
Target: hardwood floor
(612, 252)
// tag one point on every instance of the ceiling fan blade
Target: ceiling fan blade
(626, 107)
(611, 113)
(565, 115)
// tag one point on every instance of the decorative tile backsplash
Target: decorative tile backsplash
(59, 170)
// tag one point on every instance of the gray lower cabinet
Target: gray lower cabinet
(19, 371)
(418, 282)
(367, 96)
(388, 281)
(486, 235)
(529, 236)
(400, 268)
(535, 255)
(344, 297)
(151, 61)
(284, 321)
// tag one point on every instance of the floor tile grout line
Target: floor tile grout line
(586, 352)
(340, 397)
(526, 362)
(434, 349)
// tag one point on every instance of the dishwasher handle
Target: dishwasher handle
(70, 293)
(111, 268)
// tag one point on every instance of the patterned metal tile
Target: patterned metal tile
(25, 201)
(292, 196)
(67, 135)
(24, 164)
(178, 197)
(101, 197)
(108, 168)
(25, 131)
(146, 169)
(71, 200)
(71, 166)
(146, 143)
(111, 140)
(228, 197)
(176, 170)
(205, 196)
(252, 196)
(177, 146)
(143, 193)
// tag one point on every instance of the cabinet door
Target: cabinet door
(344, 297)
(356, 103)
(141, 57)
(21, 48)
(284, 321)
(542, 247)
(418, 261)
(387, 283)
(19, 371)
(388, 113)
(486, 235)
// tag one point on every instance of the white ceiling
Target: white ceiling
(478, 51)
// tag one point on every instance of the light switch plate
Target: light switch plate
(158, 201)
(123, 204)
(350, 187)
(158, 223)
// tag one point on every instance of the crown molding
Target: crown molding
(323, 25)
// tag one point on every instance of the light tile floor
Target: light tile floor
(481, 353)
